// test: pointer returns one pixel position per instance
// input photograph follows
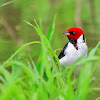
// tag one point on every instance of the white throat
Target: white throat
(80, 39)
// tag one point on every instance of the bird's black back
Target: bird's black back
(62, 52)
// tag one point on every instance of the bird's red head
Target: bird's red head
(73, 33)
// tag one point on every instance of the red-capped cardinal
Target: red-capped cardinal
(74, 49)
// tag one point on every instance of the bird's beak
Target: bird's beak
(66, 33)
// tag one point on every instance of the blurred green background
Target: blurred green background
(14, 32)
(69, 13)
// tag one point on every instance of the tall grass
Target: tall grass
(46, 80)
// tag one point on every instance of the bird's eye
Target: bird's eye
(74, 32)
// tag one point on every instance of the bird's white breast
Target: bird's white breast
(72, 54)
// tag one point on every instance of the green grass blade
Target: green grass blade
(92, 52)
(7, 3)
(19, 50)
(51, 30)
(34, 66)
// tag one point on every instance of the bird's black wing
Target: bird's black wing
(62, 52)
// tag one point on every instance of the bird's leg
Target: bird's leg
(57, 50)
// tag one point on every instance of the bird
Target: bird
(75, 48)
